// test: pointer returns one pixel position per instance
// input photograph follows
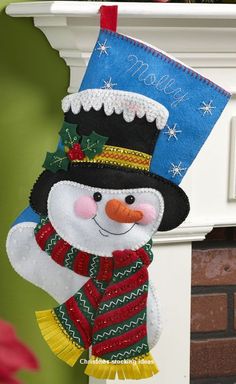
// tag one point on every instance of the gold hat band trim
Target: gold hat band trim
(122, 157)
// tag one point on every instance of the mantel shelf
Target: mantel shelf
(126, 10)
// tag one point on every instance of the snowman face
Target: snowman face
(99, 221)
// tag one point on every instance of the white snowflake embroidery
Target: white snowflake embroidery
(108, 84)
(172, 132)
(176, 169)
(103, 48)
(206, 108)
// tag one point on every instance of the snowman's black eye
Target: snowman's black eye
(130, 199)
(97, 196)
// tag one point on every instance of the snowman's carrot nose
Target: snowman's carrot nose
(118, 211)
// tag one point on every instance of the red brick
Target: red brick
(235, 311)
(213, 358)
(214, 267)
(209, 312)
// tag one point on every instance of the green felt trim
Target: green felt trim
(69, 134)
(78, 298)
(120, 328)
(122, 300)
(56, 160)
(51, 242)
(137, 349)
(93, 144)
(125, 272)
(84, 305)
(43, 220)
(94, 265)
(67, 324)
(100, 285)
(70, 258)
(148, 248)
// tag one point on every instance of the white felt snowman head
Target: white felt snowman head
(99, 221)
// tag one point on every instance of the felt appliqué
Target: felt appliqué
(129, 104)
(69, 134)
(122, 157)
(90, 146)
(188, 96)
(90, 290)
(139, 134)
(110, 315)
(100, 234)
(103, 176)
(56, 160)
(34, 265)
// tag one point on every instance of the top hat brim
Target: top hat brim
(112, 177)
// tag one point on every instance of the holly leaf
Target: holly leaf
(69, 135)
(93, 144)
(56, 160)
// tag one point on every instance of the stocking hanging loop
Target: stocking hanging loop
(108, 17)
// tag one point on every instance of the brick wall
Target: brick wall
(213, 318)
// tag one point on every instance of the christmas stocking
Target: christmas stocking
(128, 138)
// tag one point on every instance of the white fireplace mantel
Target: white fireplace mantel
(202, 36)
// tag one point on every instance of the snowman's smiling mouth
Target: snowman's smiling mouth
(111, 233)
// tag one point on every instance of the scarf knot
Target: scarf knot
(83, 263)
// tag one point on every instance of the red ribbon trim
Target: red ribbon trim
(108, 17)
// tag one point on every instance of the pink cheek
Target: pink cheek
(85, 207)
(149, 213)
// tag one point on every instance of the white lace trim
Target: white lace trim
(129, 103)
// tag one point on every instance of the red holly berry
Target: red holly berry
(71, 155)
(80, 155)
(76, 153)
(76, 147)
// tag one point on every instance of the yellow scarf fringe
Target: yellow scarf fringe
(67, 350)
(57, 339)
(140, 367)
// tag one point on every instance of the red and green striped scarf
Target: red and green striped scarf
(109, 312)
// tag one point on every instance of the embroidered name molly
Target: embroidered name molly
(140, 70)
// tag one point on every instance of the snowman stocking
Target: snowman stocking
(128, 138)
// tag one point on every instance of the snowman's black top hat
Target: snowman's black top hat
(123, 162)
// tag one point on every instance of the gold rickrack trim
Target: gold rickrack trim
(120, 156)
